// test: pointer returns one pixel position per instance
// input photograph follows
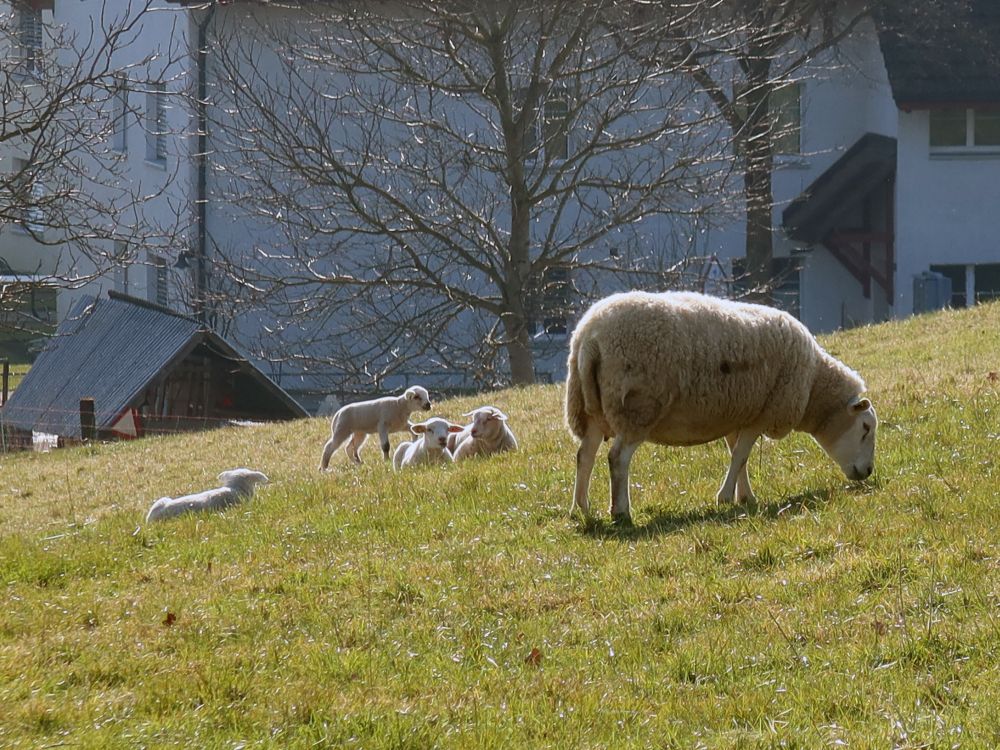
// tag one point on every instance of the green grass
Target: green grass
(460, 607)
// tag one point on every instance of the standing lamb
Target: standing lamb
(237, 484)
(489, 433)
(381, 415)
(682, 368)
(430, 447)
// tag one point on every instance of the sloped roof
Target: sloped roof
(941, 52)
(865, 165)
(110, 350)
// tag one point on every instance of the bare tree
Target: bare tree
(446, 176)
(67, 199)
(745, 55)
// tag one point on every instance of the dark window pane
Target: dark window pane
(957, 275)
(987, 282)
(987, 128)
(948, 127)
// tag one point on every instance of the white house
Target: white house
(894, 169)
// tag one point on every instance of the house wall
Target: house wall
(946, 207)
(148, 200)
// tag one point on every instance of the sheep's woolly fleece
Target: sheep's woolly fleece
(684, 368)
(237, 485)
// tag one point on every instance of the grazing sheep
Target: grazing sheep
(682, 368)
(237, 484)
(488, 434)
(381, 415)
(430, 447)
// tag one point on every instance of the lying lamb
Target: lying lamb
(431, 446)
(488, 434)
(381, 415)
(237, 484)
(682, 368)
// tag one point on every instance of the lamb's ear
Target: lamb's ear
(497, 414)
(859, 405)
(419, 428)
(455, 427)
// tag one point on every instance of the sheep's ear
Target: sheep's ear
(497, 414)
(470, 413)
(418, 428)
(455, 428)
(860, 405)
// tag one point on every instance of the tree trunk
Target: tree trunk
(519, 354)
(757, 180)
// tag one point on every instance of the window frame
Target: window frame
(970, 147)
(156, 123)
(119, 115)
(30, 39)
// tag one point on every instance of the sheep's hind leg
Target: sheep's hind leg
(357, 440)
(619, 458)
(337, 437)
(585, 457)
(737, 480)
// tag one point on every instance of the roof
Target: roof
(110, 349)
(941, 52)
(822, 205)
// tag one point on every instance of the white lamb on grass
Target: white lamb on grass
(237, 485)
(379, 416)
(488, 433)
(681, 368)
(431, 445)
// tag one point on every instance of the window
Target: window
(549, 134)
(786, 104)
(156, 285)
(786, 113)
(29, 197)
(555, 128)
(119, 115)
(29, 38)
(960, 129)
(982, 280)
(557, 297)
(156, 123)
(121, 267)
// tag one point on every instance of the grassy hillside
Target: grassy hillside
(460, 607)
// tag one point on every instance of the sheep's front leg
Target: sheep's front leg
(585, 456)
(619, 458)
(383, 436)
(737, 482)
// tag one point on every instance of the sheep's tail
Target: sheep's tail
(583, 394)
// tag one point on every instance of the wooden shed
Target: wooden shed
(148, 370)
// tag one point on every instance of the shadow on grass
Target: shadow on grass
(661, 522)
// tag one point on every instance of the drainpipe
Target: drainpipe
(201, 199)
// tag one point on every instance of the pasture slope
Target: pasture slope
(459, 607)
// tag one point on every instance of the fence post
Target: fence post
(88, 419)
(6, 381)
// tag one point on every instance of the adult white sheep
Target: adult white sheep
(237, 485)
(378, 416)
(430, 447)
(488, 433)
(681, 368)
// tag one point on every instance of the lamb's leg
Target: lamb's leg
(744, 494)
(619, 458)
(737, 477)
(357, 440)
(383, 436)
(585, 456)
(339, 434)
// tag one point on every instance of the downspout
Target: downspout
(201, 198)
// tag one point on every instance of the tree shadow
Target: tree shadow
(663, 522)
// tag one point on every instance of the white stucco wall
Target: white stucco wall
(948, 207)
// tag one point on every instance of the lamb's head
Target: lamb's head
(435, 432)
(242, 480)
(417, 398)
(848, 437)
(487, 422)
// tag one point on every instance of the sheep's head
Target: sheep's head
(418, 398)
(487, 422)
(244, 479)
(849, 438)
(435, 431)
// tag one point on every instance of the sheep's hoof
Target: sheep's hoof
(622, 519)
